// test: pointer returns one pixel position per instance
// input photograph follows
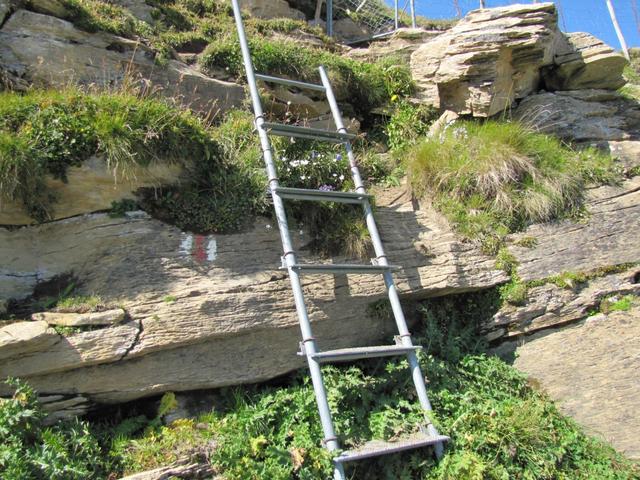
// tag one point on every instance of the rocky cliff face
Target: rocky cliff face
(198, 306)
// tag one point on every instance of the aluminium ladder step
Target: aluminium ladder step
(337, 268)
(322, 195)
(283, 130)
(376, 448)
(291, 83)
(346, 354)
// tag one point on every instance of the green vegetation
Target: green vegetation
(44, 133)
(29, 450)
(120, 208)
(190, 25)
(80, 304)
(618, 303)
(494, 178)
(366, 85)
(408, 124)
(515, 291)
(500, 427)
(632, 75)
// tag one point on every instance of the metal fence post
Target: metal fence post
(330, 18)
(396, 13)
(413, 14)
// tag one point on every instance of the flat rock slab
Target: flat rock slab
(109, 317)
(210, 311)
(45, 51)
(582, 116)
(592, 371)
(21, 338)
(549, 306)
(608, 236)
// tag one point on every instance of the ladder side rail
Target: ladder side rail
(330, 438)
(381, 258)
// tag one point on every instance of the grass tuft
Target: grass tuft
(494, 178)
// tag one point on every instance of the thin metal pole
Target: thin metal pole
(381, 259)
(482, 5)
(289, 257)
(413, 14)
(330, 18)
(616, 25)
(396, 13)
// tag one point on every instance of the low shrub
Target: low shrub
(407, 124)
(28, 449)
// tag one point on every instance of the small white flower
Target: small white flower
(289, 102)
(303, 177)
(341, 177)
(268, 227)
(334, 175)
(301, 232)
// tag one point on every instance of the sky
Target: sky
(575, 15)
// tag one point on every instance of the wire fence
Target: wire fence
(378, 18)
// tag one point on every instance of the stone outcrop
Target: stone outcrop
(582, 61)
(496, 56)
(22, 338)
(549, 305)
(487, 60)
(401, 44)
(91, 319)
(608, 237)
(591, 369)
(582, 116)
(42, 50)
(229, 300)
(271, 9)
(5, 8)
(92, 187)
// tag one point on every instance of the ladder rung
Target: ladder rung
(342, 268)
(346, 354)
(291, 83)
(309, 133)
(376, 448)
(321, 195)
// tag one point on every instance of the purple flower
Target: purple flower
(327, 188)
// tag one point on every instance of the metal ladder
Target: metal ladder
(404, 345)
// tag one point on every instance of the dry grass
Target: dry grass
(493, 178)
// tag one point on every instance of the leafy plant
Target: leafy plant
(66, 451)
(408, 124)
(120, 208)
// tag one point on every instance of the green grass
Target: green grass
(494, 178)
(80, 304)
(618, 303)
(631, 73)
(191, 25)
(364, 85)
(44, 133)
